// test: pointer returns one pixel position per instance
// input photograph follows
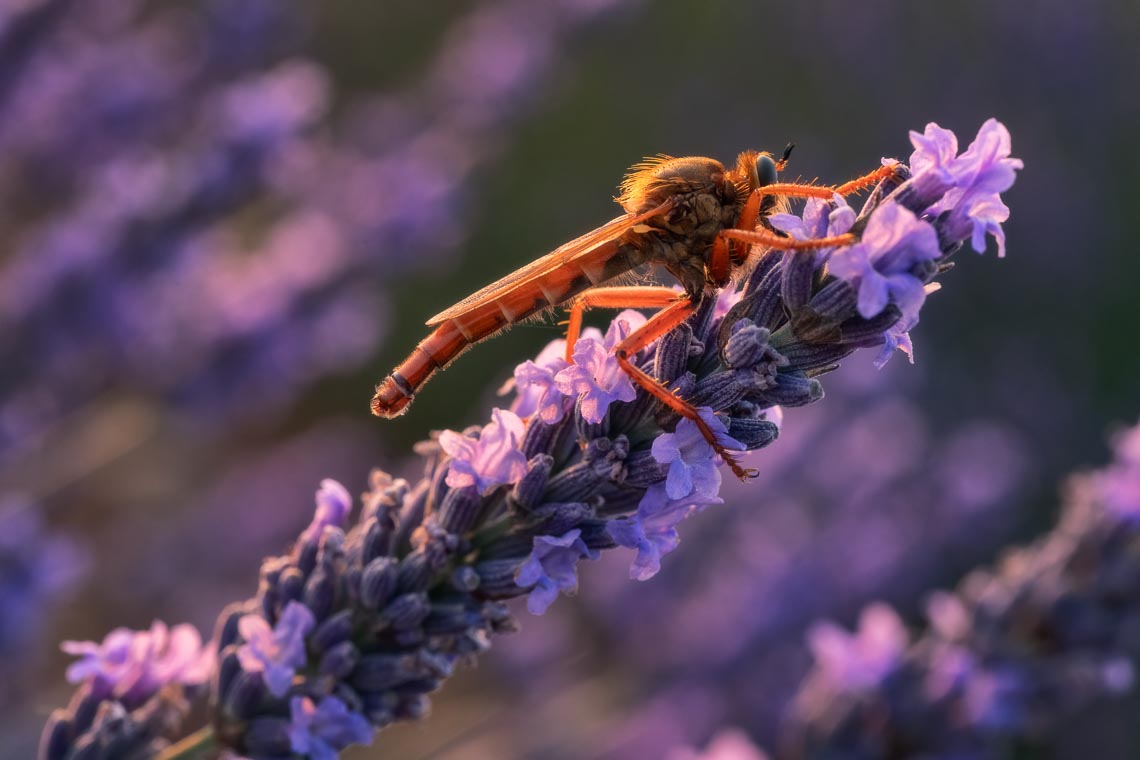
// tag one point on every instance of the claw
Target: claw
(743, 473)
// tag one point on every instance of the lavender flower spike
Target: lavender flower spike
(376, 612)
(1014, 650)
(133, 694)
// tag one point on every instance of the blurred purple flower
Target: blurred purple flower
(131, 666)
(552, 568)
(854, 662)
(727, 744)
(1011, 654)
(1119, 483)
(276, 651)
(321, 731)
(129, 198)
(492, 459)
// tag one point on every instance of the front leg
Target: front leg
(625, 297)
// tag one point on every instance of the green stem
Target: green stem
(200, 744)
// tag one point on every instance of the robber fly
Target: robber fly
(692, 216)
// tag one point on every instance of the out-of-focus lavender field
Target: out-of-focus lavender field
(222, 222)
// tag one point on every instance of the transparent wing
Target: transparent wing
(537, 269)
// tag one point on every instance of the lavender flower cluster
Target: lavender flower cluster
(363, 619)
(1008, 656)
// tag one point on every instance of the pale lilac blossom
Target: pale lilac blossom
(490, 460)
(881, 265)
(971, 184)
(534, 381)
(935, 151)
(595, 378)
(820, 219)
(725, 300)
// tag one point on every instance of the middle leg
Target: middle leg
(660, 324)
(805, 190)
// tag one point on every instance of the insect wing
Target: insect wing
(537, 269)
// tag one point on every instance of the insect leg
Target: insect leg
(868, 179)
(664, 321)
(763, 237)
(721, 259)
(736, 252)
(625, 297)
(802, 190)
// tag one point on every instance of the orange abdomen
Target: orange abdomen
(453, 336)
(432, 354)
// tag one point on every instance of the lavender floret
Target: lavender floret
(552, 568)
(276, 651)
(538, 392)
(490, 460)
(594, 377)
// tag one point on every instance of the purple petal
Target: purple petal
(492, 460)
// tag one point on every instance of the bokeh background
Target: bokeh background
(221, 222)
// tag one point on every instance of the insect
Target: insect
(692, 216)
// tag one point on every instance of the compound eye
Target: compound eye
(766, 170)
